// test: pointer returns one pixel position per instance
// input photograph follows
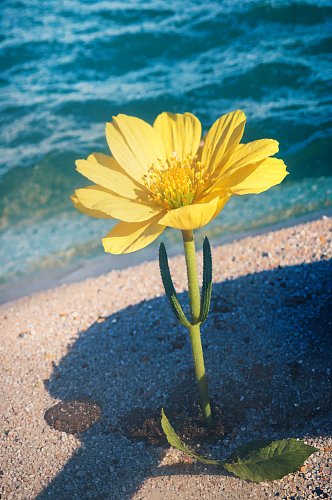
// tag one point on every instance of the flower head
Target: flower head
(165, 176)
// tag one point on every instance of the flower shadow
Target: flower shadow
(267, 345)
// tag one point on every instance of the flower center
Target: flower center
(175, 184)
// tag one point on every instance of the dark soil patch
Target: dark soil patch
(144, 425)
(74, 416)
(184, 413)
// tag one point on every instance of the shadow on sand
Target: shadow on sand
(267, 358)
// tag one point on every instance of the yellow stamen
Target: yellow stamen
(174, 183)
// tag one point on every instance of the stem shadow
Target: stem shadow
(267, 347)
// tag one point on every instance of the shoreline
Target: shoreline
(55, 277)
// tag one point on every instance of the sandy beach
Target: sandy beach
(113, 339)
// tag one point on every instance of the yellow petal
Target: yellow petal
(211, 195)
(134, 144)
(88, 211)
(181, 134)
(252, 152)
(106, 172)
(222, 139)
(194, 216)
(128, 237)
(200, 148)
(255, 179)
(99, 198)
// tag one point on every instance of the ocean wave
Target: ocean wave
(66, 70)
(68, 67)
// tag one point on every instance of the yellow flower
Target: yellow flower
(164, 176)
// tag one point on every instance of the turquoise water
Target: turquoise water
(67, 67)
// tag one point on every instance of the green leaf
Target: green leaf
(268, 460)
(207, 280)
(264, 460)
(169, 287)
(173, 440)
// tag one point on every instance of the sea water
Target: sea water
(68, 67)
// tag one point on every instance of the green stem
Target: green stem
(194, 329)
